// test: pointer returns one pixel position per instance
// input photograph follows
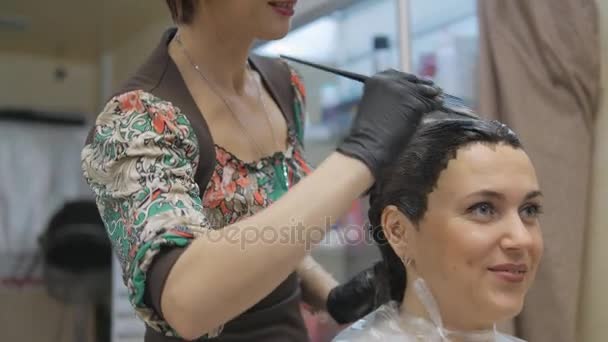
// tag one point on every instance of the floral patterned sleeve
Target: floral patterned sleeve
(299, 103)
(140, 164)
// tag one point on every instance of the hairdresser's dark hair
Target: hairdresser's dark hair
(182, 11)
(408, 181)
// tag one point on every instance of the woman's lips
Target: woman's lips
(510, 277)
(512, 273)
(284, 8)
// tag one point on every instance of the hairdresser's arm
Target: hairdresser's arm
(316, 283)
(215, 279)
(388, 115)
(141, 165)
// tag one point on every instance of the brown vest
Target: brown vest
(276, 317)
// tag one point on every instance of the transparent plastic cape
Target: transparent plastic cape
(387, 323)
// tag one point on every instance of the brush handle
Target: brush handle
(452, 104)
(347, 74)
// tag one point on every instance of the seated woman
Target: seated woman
(458, 214)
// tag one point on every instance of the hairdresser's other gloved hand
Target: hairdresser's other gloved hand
(391, 108)
(362, 294)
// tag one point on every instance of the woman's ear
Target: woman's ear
(398, 230)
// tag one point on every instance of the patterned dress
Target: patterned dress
(141, 165)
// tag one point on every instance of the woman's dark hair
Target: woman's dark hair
(408, 181)
(182, 11)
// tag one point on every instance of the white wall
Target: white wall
(40, 170)
(128, 56)
(29, 82)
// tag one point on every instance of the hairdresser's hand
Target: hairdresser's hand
(361, 295)
(389, 112)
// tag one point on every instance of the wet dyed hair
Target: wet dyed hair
(182, 11)
(407, 183)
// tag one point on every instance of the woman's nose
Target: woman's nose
(518, 235)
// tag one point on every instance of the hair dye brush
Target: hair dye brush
(451, 104)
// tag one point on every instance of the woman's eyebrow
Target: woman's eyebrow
(532, 194)
(487, 193)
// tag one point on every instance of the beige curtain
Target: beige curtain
(593, 314)
(540, 74)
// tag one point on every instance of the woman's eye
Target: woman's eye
(531, 211)
(483, 209)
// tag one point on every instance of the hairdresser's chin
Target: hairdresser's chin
(261, 19)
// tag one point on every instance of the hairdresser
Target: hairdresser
(202, 149)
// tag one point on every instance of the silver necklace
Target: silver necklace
(227, 104)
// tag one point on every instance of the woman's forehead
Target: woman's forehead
(483, 166)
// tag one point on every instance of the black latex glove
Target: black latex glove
(391, 108)
(361, 295)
